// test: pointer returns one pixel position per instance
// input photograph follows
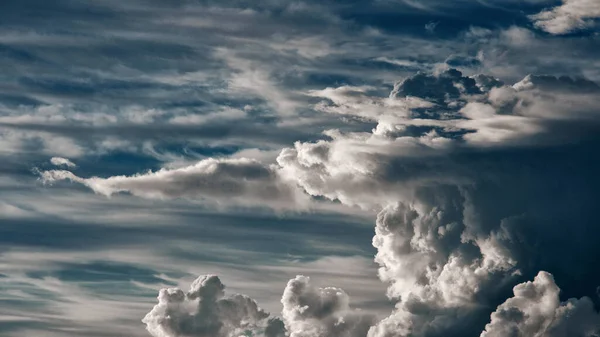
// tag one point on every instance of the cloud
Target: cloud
(452, 164)
(309, 311)
(462, 201)
(571, 16)
(243, 181)
(472, 179)
(433, 144)
(536, 310)
(59, 161)
(205, 311)
(437, 272)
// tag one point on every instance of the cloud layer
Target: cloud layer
(474, 182)
(444, 148)
(463, 208)
(571, 16)
(243, 181)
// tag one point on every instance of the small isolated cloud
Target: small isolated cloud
(59, 161)
(431, 26)
(536, 310)
(571, 16)
(243, 181)
(309, 311)
(205, 311)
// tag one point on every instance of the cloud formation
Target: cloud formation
(536, 310)
(571, 16)
(453, 166)
(479, 181)
(461, 207)
(59, 161)
(244, 181)
(309, 311)
(205, 311)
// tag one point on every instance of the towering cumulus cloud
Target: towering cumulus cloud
(474, 187)
(479, 185)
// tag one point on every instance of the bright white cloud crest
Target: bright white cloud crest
(59, 161)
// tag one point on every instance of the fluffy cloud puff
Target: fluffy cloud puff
(536, 310)
(309, 311)
(438, 267)
(204, 311)
(572, 15)
(59, 161)
(243, 181)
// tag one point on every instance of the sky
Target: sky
(274, 168)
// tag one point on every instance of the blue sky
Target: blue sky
(429, 168)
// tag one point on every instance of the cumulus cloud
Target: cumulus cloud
(243, 181)
(536, 310)
(205, 311)
(457, 219)
(309, 311)
(457, 167)
(570, 16)
(436, 265)
(59, 161)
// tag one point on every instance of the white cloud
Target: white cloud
(243, 181)
(437, 249)
(355, 101)
(309, 311)
(571, 16)
(442, 249)
(422, 253)
(205, 311)
(256, 79)
(536, 310)
(59, 161)
(11, 211)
